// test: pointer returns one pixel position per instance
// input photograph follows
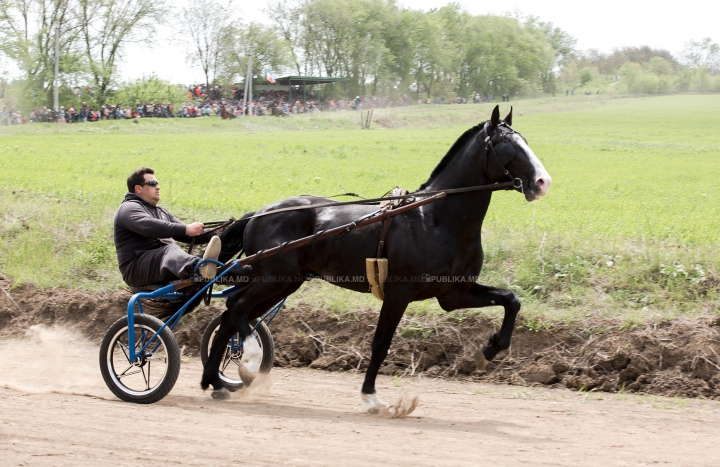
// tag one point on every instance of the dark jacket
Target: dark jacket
(140, 227)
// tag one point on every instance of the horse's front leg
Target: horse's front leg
(479, 296)
(390, 315)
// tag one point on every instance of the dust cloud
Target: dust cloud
(52, 360)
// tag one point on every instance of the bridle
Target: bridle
(490, 149)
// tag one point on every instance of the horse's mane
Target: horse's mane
(454, 149)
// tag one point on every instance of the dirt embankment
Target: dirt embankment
(680, 358)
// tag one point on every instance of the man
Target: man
(145, 237)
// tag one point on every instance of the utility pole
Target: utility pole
(248, 80)
(56, 96)
(245, 95)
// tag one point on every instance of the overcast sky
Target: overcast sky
(602, 25)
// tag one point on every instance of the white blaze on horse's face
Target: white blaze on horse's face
(540, 182)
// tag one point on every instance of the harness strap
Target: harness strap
(300, 242)
(384, 227)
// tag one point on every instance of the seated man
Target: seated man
(145, 237)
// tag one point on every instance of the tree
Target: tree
(269, 51)
(27, 37)
(429, 58)
(562, 45)
(704, 54)
(336, 37)
(395, 74)
(287, 20)
(106, 26)
(151, 89)
(207, 23)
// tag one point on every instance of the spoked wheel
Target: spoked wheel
(155, 370)
(230, 362)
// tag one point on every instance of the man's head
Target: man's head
(143, 183)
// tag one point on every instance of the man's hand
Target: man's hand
(194, 229)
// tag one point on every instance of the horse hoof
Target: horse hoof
(220, 394)
(246, 376)
(372, 404)
(249, 368)
(481, 362)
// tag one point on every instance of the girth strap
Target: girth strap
(384, 227)
(377, 268)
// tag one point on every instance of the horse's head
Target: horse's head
(508, 157)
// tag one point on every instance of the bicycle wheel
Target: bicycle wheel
(154, 372)
(230, 362)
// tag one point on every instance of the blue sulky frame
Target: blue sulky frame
(168, 292)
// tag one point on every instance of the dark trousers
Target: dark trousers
(160, 265)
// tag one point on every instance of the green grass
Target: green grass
(629, 229)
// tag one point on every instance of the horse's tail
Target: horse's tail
(232, 238)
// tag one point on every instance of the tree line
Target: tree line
(380, 46)
(386, 49)
(646, 70)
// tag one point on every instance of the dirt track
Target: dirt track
(680, 358)
(57, 411)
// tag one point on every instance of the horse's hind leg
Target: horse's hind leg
(479, 296)
(248, 303)
(218, 348)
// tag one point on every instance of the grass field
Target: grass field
(630, 227)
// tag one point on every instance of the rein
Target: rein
(492, 187)
(213, 226)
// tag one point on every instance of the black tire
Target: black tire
(229, 364)
(134, 381)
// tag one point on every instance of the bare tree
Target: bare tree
(207, 23)
(107, 25)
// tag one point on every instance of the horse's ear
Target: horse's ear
(495, 119)
(508, 119)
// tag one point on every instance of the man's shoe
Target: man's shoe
(209, 270)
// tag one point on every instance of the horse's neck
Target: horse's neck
(463, 212)
(465, 168)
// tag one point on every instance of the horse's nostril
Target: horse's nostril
(540, 182)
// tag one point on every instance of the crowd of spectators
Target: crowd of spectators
(278, 103)
(213, 101)
(11, 117)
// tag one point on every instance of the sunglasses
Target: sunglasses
(151, 183)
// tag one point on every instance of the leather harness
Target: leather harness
(398, 196)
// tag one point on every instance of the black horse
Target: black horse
(440, 240)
